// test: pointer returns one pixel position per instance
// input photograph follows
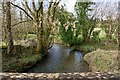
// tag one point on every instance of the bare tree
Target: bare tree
(36, 14)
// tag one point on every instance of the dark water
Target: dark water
(60, 59)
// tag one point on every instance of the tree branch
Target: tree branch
(50, 4)
(26, 3)
(22, 10)
(21, 22)
(58, 2)
(51, 44)
(40, 5)
(33, 5)
(54, 8)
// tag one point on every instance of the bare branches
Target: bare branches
(26, 4)
(40, 5)
(49, 8)
(54, 8)
(22, 10)
(33, 5)
(58, 2)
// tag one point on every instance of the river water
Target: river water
(60, 59)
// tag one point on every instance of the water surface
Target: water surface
(60, 59)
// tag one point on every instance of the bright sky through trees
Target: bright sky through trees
(105, 5)
(70, 3)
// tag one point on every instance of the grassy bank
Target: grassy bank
(22, 59)
(103, 60)
(89, 47)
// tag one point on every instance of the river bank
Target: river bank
(103, 60)
(24, 58)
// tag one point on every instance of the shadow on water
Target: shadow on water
(60, 59)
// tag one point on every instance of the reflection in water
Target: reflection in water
(60, 59)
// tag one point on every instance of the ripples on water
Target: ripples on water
(60, 59)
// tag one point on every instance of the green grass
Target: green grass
(86, 48)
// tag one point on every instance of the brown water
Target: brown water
(60, 59)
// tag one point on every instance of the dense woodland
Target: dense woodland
(29, 29)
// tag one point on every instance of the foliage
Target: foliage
(95, 37)
(110, 27)
(71, 27)
(68, 32)
(84, 23)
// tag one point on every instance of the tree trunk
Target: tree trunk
(40, 38)
(3, 22)
(119, 34)
(8, 26)
(119, 30)
(91, 29)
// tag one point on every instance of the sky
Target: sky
(111, 7)
(70, 3)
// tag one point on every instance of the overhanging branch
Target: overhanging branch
(22, 10)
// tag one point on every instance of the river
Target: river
(60, 59)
